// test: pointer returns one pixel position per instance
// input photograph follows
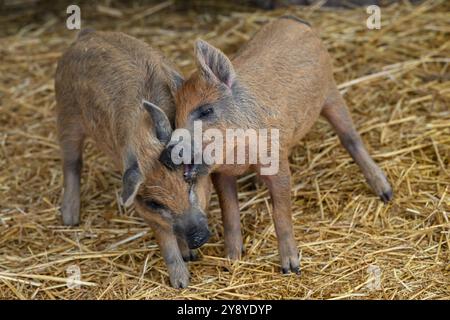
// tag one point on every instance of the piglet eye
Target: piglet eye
(206, 112)
(154, 205)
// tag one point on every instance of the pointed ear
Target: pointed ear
(163, 129)
(131, 180)
(174, 79)
(214, 65)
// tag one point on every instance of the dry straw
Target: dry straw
(396, 82)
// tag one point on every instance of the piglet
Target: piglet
(281, 79)
(107, 85)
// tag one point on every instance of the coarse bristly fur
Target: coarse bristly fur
(106, 86)
(282, 78)
(395, 82)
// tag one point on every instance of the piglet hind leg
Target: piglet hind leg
(336, 112)
(279, 186)
(71, 140)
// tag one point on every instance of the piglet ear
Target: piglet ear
(214, 65)
(131, 180)
(163, 129)
(174, 79)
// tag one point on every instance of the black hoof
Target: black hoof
(193, 256)
(293, 269)
(386, 196)
(296, 270)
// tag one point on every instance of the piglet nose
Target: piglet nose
(197, 238)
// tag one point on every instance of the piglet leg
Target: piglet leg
(186, 253)
(178, 271)
(336, 112)
(71, 141)
(226, 188)
(280, 191)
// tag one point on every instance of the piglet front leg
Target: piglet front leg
(178, 271)
(186, 253)
(226, 188)
(279, 186)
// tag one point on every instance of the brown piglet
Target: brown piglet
(281, 79)
(104, 84)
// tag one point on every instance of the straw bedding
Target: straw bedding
(396, 83)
